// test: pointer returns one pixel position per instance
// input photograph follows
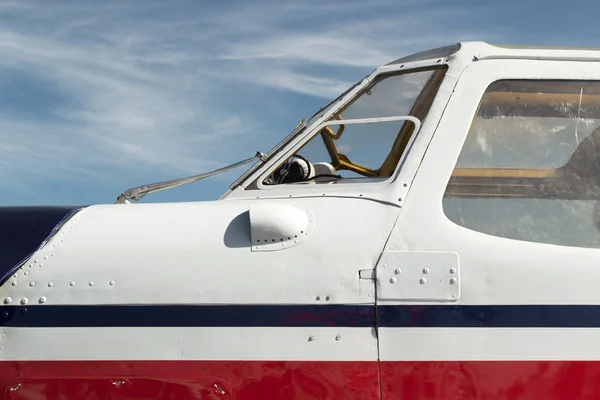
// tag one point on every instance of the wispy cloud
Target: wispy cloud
(108, 89)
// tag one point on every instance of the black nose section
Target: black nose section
(24, 229)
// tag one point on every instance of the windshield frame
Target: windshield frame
(304, 132)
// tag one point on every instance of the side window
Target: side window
(530, 167)
(370, 150)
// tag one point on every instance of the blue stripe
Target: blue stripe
(493, 316)
(188, 315)
(429, 316)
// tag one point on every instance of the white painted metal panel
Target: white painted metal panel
(201, 254)
(192, 343)
(418, 276)
(490, 344)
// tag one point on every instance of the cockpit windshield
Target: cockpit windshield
(367, 137)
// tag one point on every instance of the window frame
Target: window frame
(481, 184)
(353, 183)
(479, 76)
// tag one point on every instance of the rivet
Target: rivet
(24, 300)
(327, 298)
(425, 270)
(111, 283)
(14, 283)
(35, 261)
(452, 281)
(219, 390)
(338, 337)
(318, 298)
(41, 265)
(311, 338)
(50, 284)
(422, 281)
(72, 283)
(25, 273)
(7, 300)
(45, 257)
(42, 299)
(30, 265)
(452, 270)
(31, 284)
(392, 280)
(397, 271)
(454, 295)
(53, 254)
(119, 383)
(91, 283)
(384, 265)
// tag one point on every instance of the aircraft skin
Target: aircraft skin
(356, 289)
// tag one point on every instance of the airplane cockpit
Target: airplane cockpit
(527, 167)
(532, 149)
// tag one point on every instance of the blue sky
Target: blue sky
(100, 96)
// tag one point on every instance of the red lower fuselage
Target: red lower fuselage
(506, 380)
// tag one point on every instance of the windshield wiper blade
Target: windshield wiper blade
(137, 193)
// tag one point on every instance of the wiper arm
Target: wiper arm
(137, 193)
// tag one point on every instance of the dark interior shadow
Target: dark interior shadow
(582, 173)
(585, 161)
(237, 233)
(24, 228)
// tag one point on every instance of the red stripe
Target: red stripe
(497, 380)
(184, 380)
